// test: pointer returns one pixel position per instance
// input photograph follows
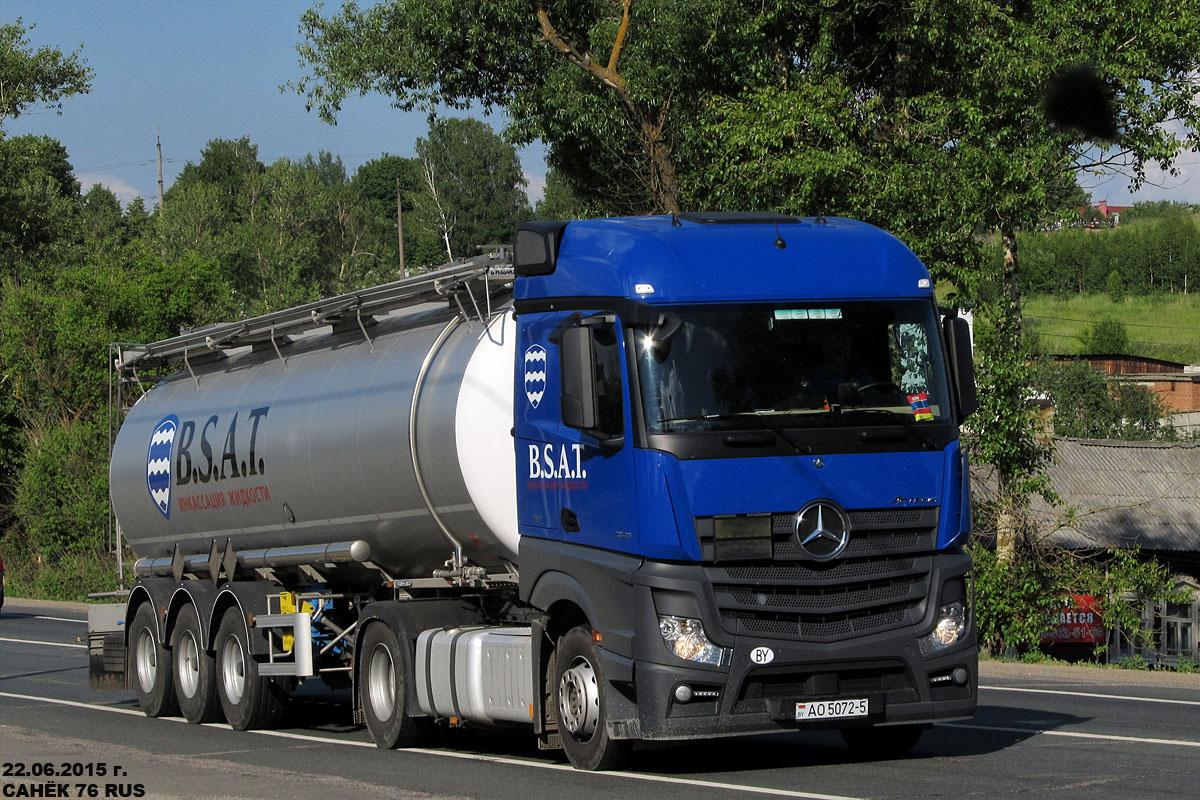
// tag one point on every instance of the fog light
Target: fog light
(950, 627)
(687, 639)
(683, 693)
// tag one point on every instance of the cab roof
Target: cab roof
(715, 257)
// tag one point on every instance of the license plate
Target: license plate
(831, 709)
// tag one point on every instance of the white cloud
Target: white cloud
(124, 192)
(1160, 184)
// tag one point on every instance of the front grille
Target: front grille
(878, 583)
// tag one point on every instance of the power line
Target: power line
(1126, 324)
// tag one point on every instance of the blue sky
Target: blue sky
(197, 70)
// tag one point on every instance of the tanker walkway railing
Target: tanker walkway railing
(491, 273)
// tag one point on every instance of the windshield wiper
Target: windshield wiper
(760, 421)
(895, 416)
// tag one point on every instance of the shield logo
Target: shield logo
(535, 374)
(158, 464)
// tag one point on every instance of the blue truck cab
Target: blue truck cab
(738, 462)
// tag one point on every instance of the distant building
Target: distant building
(1177, 385)
(1110, 214)
(1127, 494)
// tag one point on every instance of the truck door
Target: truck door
(580, 470)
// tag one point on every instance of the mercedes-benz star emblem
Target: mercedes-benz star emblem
(822, 529)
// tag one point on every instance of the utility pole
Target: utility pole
(400, 229)
(158, 138)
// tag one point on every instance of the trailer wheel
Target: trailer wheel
(151, 666)
(195, 671)
(886, 742)
(382, 680)
(581, 717)
(249, 700)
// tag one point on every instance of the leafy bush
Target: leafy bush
(1132, 662)
(1188, 665)
(1016, 600)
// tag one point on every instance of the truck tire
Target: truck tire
(195, 672)
(383, 692)
(580, 699)
(885, 742)
(150, 663)
(248, 700)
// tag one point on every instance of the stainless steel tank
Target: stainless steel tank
(311, 445)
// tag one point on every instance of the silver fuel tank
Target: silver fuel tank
(311, 446)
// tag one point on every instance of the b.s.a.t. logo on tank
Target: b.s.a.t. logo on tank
(158, 464)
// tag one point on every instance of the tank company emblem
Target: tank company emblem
(535, 374)
(198, 454)
(158, 464)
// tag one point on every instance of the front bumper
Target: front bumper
(746, 695)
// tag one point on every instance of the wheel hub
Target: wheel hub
(233, 669)
(381, 683)
(579, 700)
(187, 660)
(147, 661)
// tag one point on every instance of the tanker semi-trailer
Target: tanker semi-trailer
(654, 478)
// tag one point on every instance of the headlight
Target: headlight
(950, 627)
(687, 639)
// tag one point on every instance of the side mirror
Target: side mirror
(962, 364)
(578, 401)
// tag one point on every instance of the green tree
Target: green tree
(608, 86)
(226, 165)
(474, 188)
(376, 183)
(34, 77)
(1105, 337)
(38, 202)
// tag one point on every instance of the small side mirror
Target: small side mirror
(962, 364)
(578, 383)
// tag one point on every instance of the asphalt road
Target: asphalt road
(1058, 732)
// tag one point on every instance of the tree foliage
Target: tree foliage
(36, 77)
(1090, 405)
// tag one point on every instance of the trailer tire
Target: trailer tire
(383, 692)
(892, 741)
(195, 672)
(580, 686)
(150, 664)
(248, 700)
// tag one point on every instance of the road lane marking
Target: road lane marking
(517, 762)
(63, 619)
(48, 644)
(1092, 694)
(1070, 734)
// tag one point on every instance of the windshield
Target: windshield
(795, 364)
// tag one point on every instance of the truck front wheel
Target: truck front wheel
(581, 716)
(151, 666)
(383, 691)
(195, 670)
(249, 700)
